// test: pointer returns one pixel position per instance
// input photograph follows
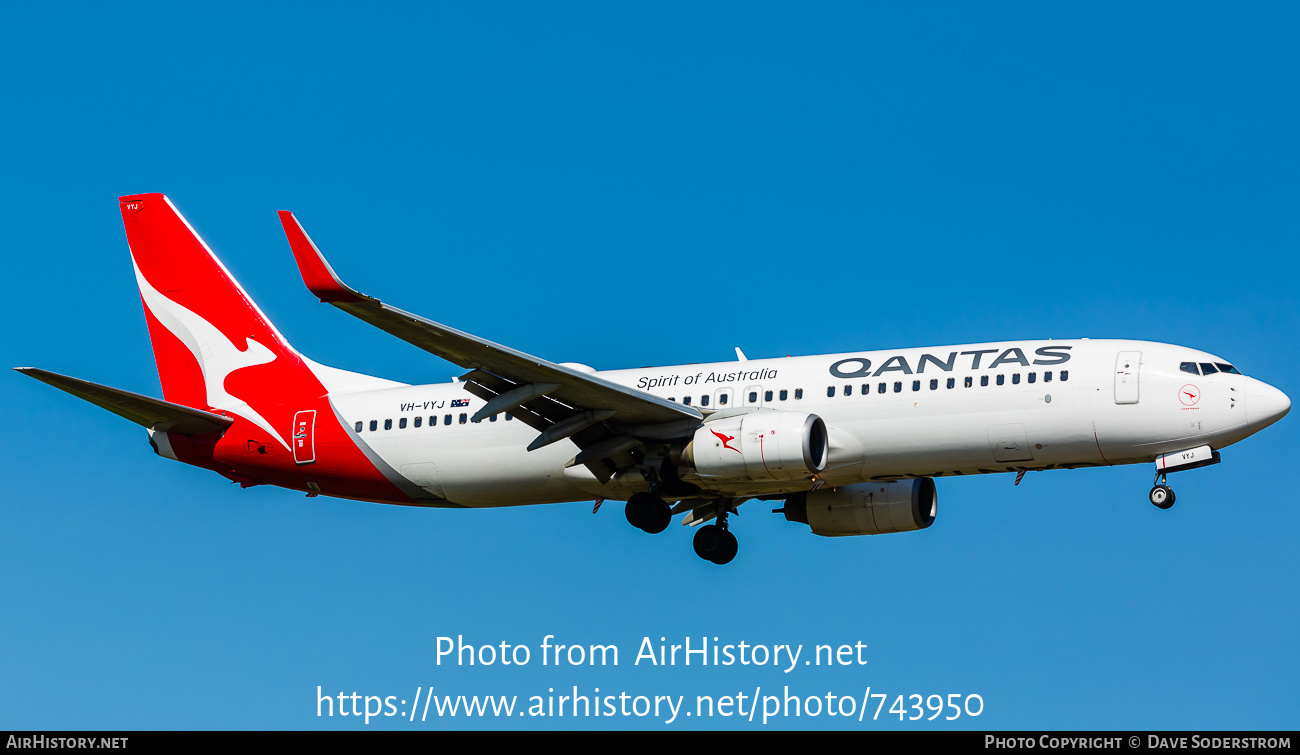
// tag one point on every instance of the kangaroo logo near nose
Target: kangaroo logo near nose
(1189, 395)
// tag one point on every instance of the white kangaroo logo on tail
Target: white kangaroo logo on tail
(217, 355)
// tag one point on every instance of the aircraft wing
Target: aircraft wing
(603, 418)
(155, 414)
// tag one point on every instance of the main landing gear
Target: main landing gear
(714, 542)
(648, 512)
(1162, 496)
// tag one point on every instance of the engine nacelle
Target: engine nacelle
(868, 508)
(760, 446)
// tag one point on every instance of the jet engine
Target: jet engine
(761, 446)
(867, 508)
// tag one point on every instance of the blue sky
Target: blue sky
(633, 184)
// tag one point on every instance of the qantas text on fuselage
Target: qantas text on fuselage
(851, 443)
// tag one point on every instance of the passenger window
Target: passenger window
(1047, 376)
(418, 420)
(704, 400)
(722, 398)
(767, 395)
(1015, 378)
(898, 387)
(388, 424)
(509, 416)
(686, 400)
(916, 385)
(358, 427)
(493, 418)
(1002, 379)
(464, 418)
(848, 390)
(934, 385)
(952, 382)
(969, 381)
(1189, 367)
(446, 419)
(984, 380)
(753, 397)
(881, 388)
(1226, 368)
(784, 395)
(866, 388)
(433, 420)
(798, 393)
(401, 423)
(830, 391)
(1065, 375)
(1033, 376)
(374, 425)
(1208, 369)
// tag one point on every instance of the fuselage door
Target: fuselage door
(304, 437)
(1010, 443)
(1128, 368)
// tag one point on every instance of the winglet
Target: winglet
(316, 272)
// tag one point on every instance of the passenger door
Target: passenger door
(304, 437)
(1128, 369)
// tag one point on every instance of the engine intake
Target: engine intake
(867, 508)
(760, 446)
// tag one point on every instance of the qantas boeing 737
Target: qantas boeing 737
(851, 443)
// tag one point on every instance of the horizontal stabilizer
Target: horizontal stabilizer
(155, 414)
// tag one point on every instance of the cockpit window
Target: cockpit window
(1208, 369)
(1226, 368)
(1189, 367)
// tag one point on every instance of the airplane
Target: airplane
(851, 443)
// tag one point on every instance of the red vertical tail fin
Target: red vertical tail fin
(214, 348)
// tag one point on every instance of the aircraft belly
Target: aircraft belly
(1044, 434)
(485, 472)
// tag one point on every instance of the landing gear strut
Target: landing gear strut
(714, 542)
(1162, 496)
(648, 512)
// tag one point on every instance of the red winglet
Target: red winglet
(316, 272)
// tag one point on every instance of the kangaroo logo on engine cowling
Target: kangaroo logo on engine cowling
(726, 440)
(860, 367)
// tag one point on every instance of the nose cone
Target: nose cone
(1265, 405)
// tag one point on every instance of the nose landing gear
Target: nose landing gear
(1162, 496)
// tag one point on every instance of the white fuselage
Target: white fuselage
(924, 412)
